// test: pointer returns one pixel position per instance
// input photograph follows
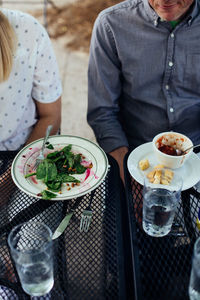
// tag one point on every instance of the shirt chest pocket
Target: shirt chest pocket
(192, 72)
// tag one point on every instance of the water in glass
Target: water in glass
(159, 207)
(31, 248)
(194, 285)
(36, 278)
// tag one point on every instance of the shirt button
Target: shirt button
(172, 35)
(171, 109)
(170, 63)
(167, 87)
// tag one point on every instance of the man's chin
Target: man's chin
(167, 18)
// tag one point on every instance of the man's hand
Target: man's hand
(119, 154)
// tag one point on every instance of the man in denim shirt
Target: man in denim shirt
(144, 73)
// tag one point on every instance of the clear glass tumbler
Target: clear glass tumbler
(194, 285)
(159, 206)
(31, 248)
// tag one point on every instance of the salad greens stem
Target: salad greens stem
(30, 174)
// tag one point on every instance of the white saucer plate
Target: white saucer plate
(25, 160)
(190, 171)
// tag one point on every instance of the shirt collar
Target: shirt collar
(194, 11)
(154, 18)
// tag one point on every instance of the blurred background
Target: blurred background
(69, 24)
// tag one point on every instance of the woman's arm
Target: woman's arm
(48, 113)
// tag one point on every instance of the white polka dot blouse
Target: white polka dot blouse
(34, 75)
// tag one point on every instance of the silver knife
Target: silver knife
(64, 223)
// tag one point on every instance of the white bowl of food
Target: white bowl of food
(168, 147)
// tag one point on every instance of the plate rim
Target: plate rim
(144, 145)
(58, 198)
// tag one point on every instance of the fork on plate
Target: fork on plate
(86, 216)
(40, 157)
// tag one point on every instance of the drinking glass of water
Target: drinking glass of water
(194, 285)
(31, 248)
(159, 205)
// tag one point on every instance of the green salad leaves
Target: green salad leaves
(57, 168)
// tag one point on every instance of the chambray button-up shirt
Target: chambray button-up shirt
(143, 77)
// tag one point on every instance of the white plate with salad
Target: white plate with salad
(73, 167)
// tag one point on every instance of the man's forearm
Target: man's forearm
(118, 155)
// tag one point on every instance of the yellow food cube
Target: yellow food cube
(151, 174)
(143, 164)
(151, 180)
(158, 174)
(156, 181)
(159, 167)
(164, 181)
(169, 174)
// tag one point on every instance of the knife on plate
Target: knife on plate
(64, 223)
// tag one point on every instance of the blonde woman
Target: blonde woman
(30, 87)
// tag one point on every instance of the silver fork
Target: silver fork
(40, 157)
(86, 216)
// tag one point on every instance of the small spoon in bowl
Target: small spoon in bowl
(181, 152)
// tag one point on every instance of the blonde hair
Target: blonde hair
(7, 47)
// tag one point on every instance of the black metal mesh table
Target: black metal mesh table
(161, 266)
(86, 265)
